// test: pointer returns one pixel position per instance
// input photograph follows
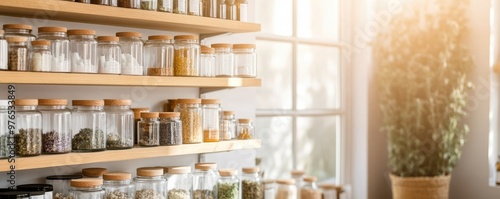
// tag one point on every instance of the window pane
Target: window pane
(275, 69)
(316, 145)
(276, 151)
(318, 19)
(318, 77)
(275, 16)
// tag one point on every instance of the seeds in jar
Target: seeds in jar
(87, 139)
(160, 72)
(55, 142)
(28, 142)
(192, 131)
(115, 141)
(184, 63)
(178, 194)
(170, 134)
(4, 147)
(203, 194)
(251, 189)
(116, 194)
(148, 194)
(147, 135)
(227, 190)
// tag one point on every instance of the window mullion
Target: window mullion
(294, 85)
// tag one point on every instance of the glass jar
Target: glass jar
(251, 183)
(286, 189)
(132, 52)
(207, 62)
(109, 53)
(221, 9)
(209, 8)
(186, 55)
(224, 60)
(59, 47)
(149, 129)
(93, 172)
(129, 4)
(228, 185)
(242, 10)
(83, 50)
(269, 189)
(150, 183)
(245, 129)
(100, 2)
(228, 126)
(61, 185)
(46, 189)
(298, 176)
(329, 191)
(179, 183)
(170, 128)
(211, 119)
(171, 104)
(166, 6)
(4, 48)
(18, 54)
(191, 118)
(137, 118)
(28, 128)
(56, 122)
(118, 185)
(194, 7)
(40, 56)
(86, 188)
(180, 6)
(231, 12)
(120, 124)
(19, 30)
(149, 4)
(159, 56)
(113, 3)
(15, 195)
(88, 126)
(205, 181)
(309, 189)
(245, 60)
(4, 129)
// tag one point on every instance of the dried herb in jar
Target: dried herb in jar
(227, 190)
(178, 194)
(148, 194)
(28, 142)
(115, 141)
(54, 142)
(4, 148)
(87, 139)
(116, 194)
(203, 194)
(251, 189)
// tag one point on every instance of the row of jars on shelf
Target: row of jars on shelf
(125, 53)
(47, 126)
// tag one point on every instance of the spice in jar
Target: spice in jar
(27, 142)
(228, 184)
(203, 194)
(148, 194)
(170, 128)
(191, 118)
(55, 142)
(251, 189)
(40, 56)
(186, 55)
(149, 128)
(18, 54)
(87, 139)
(178, 194)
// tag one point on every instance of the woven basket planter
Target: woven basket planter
(420, 187)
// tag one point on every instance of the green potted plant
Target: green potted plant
(422, 70)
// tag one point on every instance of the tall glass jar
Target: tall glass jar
(228, 126)
(120, 124)
(150, 183)
(245, 129)
(46, 189)
(186, 55)
(209, 8)
(286, 189)
(205, 181)
(245, 60)
(94, 172)
(28, 128)
(298, 176)
(329, 191)
(251, 183)
(109, 53)
(180, 6)
(4, 48)
(269, 189)
(129, 4)
(56, 122)
(207, 62)
(231, 12)
(242, 10)
(191, 118)
(221, 9)
(159, 56)
(4, 129)
(88, 126)
(179, 183)
(132, 52)
(170, 129)
(137, 118)
(40, 56)
(118, 185)
(61, 185)
(309, 189)
(19, 30)
(59, 47)
(149, 4)
(228, 185)
(83, 50)
(86, 188)
(166, 6)
(100, 2)
(18, 54)
(224, 60)
(211, 119)
(149, 129)
(194, 7)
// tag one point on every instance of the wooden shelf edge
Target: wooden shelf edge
(46, 161)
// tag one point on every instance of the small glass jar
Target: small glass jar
(136, 4)
(100, 2)
(132, 52)
(61, 185)
(205, 181)
(309, 189)
(149, 4)
(170, 129)
(245, 129)
(120, 124)
(118, 185)
(251, 183)
(150, 183)
(186, 55)
(228, 126)
(180, 6)
(46, 189)
(93, 172)
(224, 60)
(245, 60)
(171, 104)
(194, 7)
(18, 54)
(56, 122)
(242, 10)
(166, 6)
(40, 56)
(86, 188)
(298, 176)
(19, 30)
(228, 185)
(83, 50)
(28, 128)
(159, 56)
(137, 118)
(269, 189)
(179, 183)
(221, 9)
(109, 53)
(207, 62)
(231, 12)
(211, 119)
(209, 8)
(286, 189)
(88, 126)
(329, 191)
(15, 195)
(191, 118)
(148, 129)
(4, 129)
(4, 48)
(59, 47)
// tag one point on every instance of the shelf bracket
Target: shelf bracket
(206, 36)
(208, 90)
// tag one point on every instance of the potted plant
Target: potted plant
(422, 70)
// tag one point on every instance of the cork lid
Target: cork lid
(251, 170)
(150, 115)
(81, 32)
(180, 37)
(17, 26)
(226, 113)
(40, 43)
(159, 37)
(169, 114)
(52, 29)
(26, 102)
(94, 172)
(86, 182)
(52, 102)
(117, 176)
(150, 171)
(87, 102)
(286, 181)
(244, 120)
(328, 186)
(222, 45)
(243, 46)
(205, 166)
(210, 101)
(108, 38)
(188, 101)
(310, 179)
(269, 181)
(117, 102)
(179, 170)
(129, 34)
(137, 111)
(207, 50)
(16, 39)
(228, 172)
(297, 173)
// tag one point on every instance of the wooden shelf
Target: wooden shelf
(126, 17)
(41, 78)
(45, 161)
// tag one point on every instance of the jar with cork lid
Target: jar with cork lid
(4, 48)
(207, 62)
(209, 8)
(86, 188)
(118, 185)
(40, 56)
(205, 181)
(18, 57)
(269, 187)
(245, 60)
(108, 55)
(211, 119)
(329, 191)
(132, 52)
(149, 129)
(150, 183)
(61, 185)
(228, 126)
(186, 55)
(251, 183)
(120, 124)
(191, 117)
(19, 30)
(83, 50)
(245, 129)
(179, 182)
(286, 189)
(228, 185)
(28, 121)
(56, 118)
(137, 117)
(88, 126)
(309, 189)
(159, 56)
(224, 59)
(94, 172)
(59, 47)
(170, 129)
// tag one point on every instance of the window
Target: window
(301, 106)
